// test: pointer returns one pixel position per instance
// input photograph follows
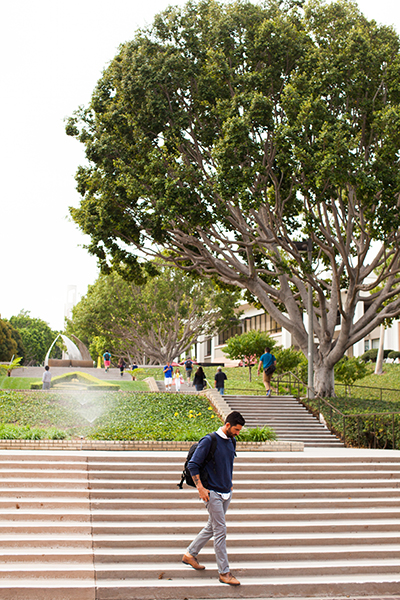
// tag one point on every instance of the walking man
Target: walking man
(188, 368)
(217, 495)
(220, 379)
(268, 364)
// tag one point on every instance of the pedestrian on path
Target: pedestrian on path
(217, 495)
(46, 379)
(107, 360)
(188, 369)
(178, 379)
(220, 379)
(168, 374)
(199, 379)
(121, 366)
(268, 364)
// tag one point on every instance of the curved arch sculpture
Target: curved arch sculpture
(72, 357)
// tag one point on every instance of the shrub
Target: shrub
(394, 354)
(348, 370)
(370, 355)
(257, 434)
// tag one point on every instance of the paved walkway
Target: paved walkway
(37, 372)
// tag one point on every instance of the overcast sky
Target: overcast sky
(53, 53)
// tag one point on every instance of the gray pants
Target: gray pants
(216, 527)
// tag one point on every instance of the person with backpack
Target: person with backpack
(212, 476)
(107, 360)
(188, 369)
(268, 364)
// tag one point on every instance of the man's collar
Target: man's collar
(221, 433)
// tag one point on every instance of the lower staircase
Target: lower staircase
(287, 416)
(114, 526)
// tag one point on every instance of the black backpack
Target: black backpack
(186, 476)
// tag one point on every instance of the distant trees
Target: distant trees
(158, 320)
(36, 336)
(10, 341)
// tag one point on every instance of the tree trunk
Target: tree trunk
(379, 358)
(249, 372)
(324, 380)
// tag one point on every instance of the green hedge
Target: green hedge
(90, 382)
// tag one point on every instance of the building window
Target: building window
(208, 347)
(366, 345)
(228, 333)
(375, 343)
(263, 322)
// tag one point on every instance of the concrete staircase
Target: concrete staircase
(114, 526)
(287, 416)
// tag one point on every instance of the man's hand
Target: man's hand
(203, 492)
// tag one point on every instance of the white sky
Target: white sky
(53, 53)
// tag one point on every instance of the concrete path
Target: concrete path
(37, 372)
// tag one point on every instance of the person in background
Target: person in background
(168, 373)
(107, 360)
(178, 379)
(46, 378)
(268, 364)
(188, 368)
(199, 379)
(121, 366)
(220, 379)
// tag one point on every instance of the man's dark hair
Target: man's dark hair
(235, 418)
(46, 368)
(267, 349)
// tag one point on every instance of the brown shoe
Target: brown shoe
(188, 559)
(228, 578)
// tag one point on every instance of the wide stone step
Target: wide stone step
(200, 587)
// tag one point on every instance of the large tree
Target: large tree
(227, 133)
(10, 341)
(37, 337)
(155, 321)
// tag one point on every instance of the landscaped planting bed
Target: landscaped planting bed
(107, 416)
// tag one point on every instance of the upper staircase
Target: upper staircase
(287, 416)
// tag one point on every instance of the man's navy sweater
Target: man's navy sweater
(220, 469)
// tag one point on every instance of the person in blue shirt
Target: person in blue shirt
(168, 372)
(267, 360)
(217, 495)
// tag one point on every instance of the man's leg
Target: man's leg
(216, 527)
(267, 381)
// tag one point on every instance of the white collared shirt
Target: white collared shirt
(226, 495)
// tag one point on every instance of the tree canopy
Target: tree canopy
(37, 337)
(226, 133)
(155, 321)
(10, 341)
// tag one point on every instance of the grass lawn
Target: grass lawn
(367, 392)
(16, 383)
(24, 383)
